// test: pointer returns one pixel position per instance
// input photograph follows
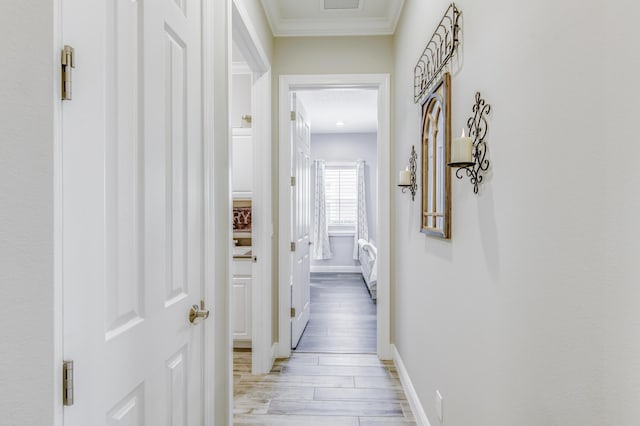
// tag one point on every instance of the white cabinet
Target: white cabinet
(242, 164)
(241, 303)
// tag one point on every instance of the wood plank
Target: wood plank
(358, 394)
(337, 408)
(277, 420)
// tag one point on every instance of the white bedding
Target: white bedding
(369, 265)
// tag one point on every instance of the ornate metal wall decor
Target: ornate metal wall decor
(478, 127)
(438, 53)
(413, 185)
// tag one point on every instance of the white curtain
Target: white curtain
(362, 228)
(321, 248)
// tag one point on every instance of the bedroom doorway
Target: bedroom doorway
(343, 194)
(348, 315)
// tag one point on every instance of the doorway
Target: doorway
(378, 84)
(253, 129)
(344, 192)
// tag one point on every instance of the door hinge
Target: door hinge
(293, 312)
(293, 181)
(67, 62)
(293, 116)
(293, 246)
(67, 383)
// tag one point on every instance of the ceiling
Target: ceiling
(332, 17)
(356, 108)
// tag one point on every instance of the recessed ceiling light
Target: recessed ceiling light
(340, 123)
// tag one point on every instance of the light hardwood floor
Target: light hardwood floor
(343, 316)
(319, 389)
(334, 378)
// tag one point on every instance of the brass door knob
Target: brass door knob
(198, 313)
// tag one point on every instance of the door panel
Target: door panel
(300, 286)
(123, 171)
(175, 179)
(133, 212)
(129, 411)
(176, 391)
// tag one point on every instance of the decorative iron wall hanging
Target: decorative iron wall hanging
(438, 53)
(412, 186)
(478, 127)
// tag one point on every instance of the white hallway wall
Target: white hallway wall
(26, 213)
(621, 221)
(507, 319)
(336, 147)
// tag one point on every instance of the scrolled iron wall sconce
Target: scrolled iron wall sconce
(469, 153)
(407, 179)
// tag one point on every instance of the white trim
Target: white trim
(58, 283)
(342, 233)
(242, 195)
(384, 218)
(331, 269)
(262, 286)
(246, 39)
(242, 131)
(284, 222)
(340, 164)
(381, 82)
(409, 390)
(328, 25)
(217, 134)
(207, 137)
(240, 68)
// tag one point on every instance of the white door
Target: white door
(132, 242)
(300, 214)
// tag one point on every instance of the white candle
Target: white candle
(461, 150)
(405, 177)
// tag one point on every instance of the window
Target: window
(341, 196)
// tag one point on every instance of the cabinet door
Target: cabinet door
(242, 173)
(241, 314)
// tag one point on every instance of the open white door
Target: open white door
(132, 207)
(300, 225)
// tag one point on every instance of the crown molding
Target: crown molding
(330, 26)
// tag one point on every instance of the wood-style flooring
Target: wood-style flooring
(342, 316)
(320, 389)
(334, 377)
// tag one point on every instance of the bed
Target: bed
(368, 264)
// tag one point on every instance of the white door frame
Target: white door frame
(218, 375)
(381, 82)
(246, 39)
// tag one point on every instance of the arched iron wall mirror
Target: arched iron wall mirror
(436, 146)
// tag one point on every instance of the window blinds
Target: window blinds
(341, 195)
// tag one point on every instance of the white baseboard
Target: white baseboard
(336, 269)
(274, 353)
(412, 396)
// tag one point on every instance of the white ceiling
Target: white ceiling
(332, 17)
(356, 108)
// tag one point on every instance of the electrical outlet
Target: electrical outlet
(439, 406)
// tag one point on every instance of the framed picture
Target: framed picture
(436, 152)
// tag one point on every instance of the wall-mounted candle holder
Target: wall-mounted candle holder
(407, 179)
(468, 154)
